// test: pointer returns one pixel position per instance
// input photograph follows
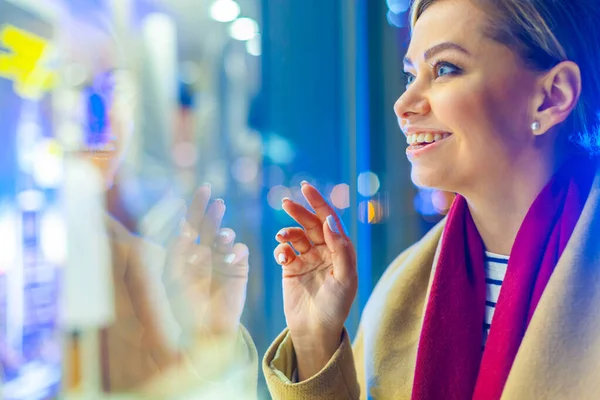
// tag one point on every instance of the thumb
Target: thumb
(342, 251)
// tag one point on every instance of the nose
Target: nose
(410, 105)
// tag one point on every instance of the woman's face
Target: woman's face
(471, 90)
(106, 96)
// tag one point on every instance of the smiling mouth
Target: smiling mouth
(100, 149)
(425, 139)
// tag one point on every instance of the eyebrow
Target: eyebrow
(438, 48)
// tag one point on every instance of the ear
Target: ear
(559, 91)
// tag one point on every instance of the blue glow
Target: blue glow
(398, 6)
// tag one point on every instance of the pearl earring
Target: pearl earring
(535, 126)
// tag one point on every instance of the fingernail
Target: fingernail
(192, 259)
(332, 224)
(229, 258)
(285, 199)
(207, 185)
(220, 201)
(303, 183)
(283, 233)
(281, 258)
(224, 234)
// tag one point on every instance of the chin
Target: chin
(431, 178)
(425, 179)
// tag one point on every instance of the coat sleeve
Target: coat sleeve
(336, 381)
(204, 372)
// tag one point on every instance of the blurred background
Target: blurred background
(251, 96)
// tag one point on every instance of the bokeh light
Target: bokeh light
(370, 212)
(243, 29)
(398, 6)
(279, 149)
(253, 46)
(442, 201)
(276, 195)
(224, 10)
(368, 184)
(244, 169)
(340, 196)
(397, 20)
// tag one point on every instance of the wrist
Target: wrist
(315, 340)
(313, 353)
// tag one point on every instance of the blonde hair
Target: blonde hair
(545, 33)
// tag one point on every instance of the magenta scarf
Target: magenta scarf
(450, 363)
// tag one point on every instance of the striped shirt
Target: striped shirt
(495, 270)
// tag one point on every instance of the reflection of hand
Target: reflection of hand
(207, 272)
(319, 284)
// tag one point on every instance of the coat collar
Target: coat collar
(559, 356)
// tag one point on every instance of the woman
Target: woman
(501, 108)
(176, 329)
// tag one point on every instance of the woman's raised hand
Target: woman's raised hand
(319, 280)
(207, 271)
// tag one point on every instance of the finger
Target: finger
(197, 209)
(285, 255)
(211, 222)
(235, 264)
(318, 203)
(307, 219)
(291, 264)
(183, 252)
(224, 241)
(242, 254)
(296, 237)
(342, 251)
(197, 260)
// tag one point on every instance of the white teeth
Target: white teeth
(425, 137)
(101, 148)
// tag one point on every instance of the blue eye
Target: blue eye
(410, 78)
(443, 68)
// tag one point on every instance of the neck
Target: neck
(499, 205)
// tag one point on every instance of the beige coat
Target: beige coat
(559, 357)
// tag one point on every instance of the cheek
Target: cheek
(484, 118)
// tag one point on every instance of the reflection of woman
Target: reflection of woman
(501, 107)
(176, 308)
